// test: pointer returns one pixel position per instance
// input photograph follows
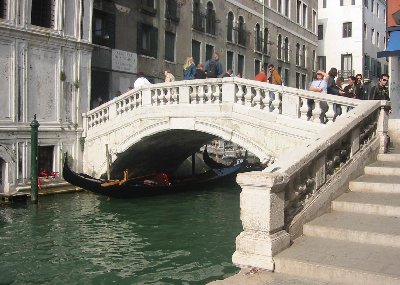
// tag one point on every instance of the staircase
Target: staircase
(358, 242)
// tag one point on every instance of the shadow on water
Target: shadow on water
(81, 238)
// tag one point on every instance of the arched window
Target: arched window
(257, 39)
(279, 47)
(197, 18)
(286, 47)
(210, 19)
(297, 54)
(241, 32)
(229, 35)
(266, 40)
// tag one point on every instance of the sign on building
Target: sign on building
(124, 61)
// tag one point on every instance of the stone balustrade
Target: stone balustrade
(281, 100)
(271, 200)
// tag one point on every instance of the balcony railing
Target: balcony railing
(345, 73)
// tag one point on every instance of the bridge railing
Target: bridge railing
(276, 203)
(282, 100)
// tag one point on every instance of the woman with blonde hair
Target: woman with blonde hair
(189, 69)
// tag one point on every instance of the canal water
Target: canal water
(82, 238)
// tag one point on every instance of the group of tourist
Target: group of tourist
(326, 83)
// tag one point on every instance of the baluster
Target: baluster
(168, 96)
(193, 95)
(161, 97)
(257, 99)
(317, 112)
(207, 94)
(277, 103)
(240, 94)
(331, 113)
(126, 104)
(217, 94)
(304, 109)
(154, 95)
(175, 94)
(248, 97)
(265, 101)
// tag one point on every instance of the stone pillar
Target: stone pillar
(146, 97)
(382, 128)
(184, 94)
(291, 105)
(262, 203)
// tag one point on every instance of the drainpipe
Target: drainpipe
(34, 160)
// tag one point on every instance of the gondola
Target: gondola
(146, 186)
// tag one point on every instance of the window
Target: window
(209, 51)
(320, 32)
(171, 10)
(303, 56)
(377, 10)
(3, 9)
(347, 64)
(287, 8)
(321, 62)
(366, 3)
(372, 35)
(347, 2)
(286, 50)
(298, 8)
(279, 47)
(347, 30)
(297, 80)
(266, 41)
(42, 13)
(46, 158)
(314, 21)
(257, 66)
(257, 39)
(229, 36)
(103, 28)
(286, 77)
(297, 54)
(197, 17)
(365, 31)
(279, 5)
(303, 81)
(210, 19)
(240, 64)
(323, 3)
(372, 6)
(196, 51)
(377, 38)
(147, 7)
(169, 46)
(314, 58)
(241, 32)
(229, 60)
(304, 22)
(147, 40)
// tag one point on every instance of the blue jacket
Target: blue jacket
(189, 72)
(217, 64)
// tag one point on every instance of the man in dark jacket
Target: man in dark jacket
(380, 91)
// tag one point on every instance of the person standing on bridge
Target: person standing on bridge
(380, 91)
(141, 81)
(189, 69)
(213, 67)
(169, 77)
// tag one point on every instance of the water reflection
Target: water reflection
(82, 238)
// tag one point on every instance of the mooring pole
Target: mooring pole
(34, 160)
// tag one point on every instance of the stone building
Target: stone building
(153, 35)
(45, 56)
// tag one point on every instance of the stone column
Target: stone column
(228, 90)
(382, 128)
(262, 203)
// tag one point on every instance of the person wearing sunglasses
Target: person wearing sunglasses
(380, 91)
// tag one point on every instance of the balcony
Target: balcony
(345, 73)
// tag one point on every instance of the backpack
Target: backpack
(212, 69)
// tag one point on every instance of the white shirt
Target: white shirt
(141, 81)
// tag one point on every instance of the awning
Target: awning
(393, 45)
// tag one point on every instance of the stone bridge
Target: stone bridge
(165, 123)
(309, 163)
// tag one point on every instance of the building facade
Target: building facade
(350, 33)
(45, 56)
(153, 35)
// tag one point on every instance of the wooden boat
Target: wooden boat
(146, 186)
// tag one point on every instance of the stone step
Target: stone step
(389, 157)
(340, 261)
(385, 204)
(391, 168)
(376, 183)
(354, 227)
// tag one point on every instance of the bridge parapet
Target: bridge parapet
(299, 186)
(270, 98)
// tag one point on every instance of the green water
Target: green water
(82, 238)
